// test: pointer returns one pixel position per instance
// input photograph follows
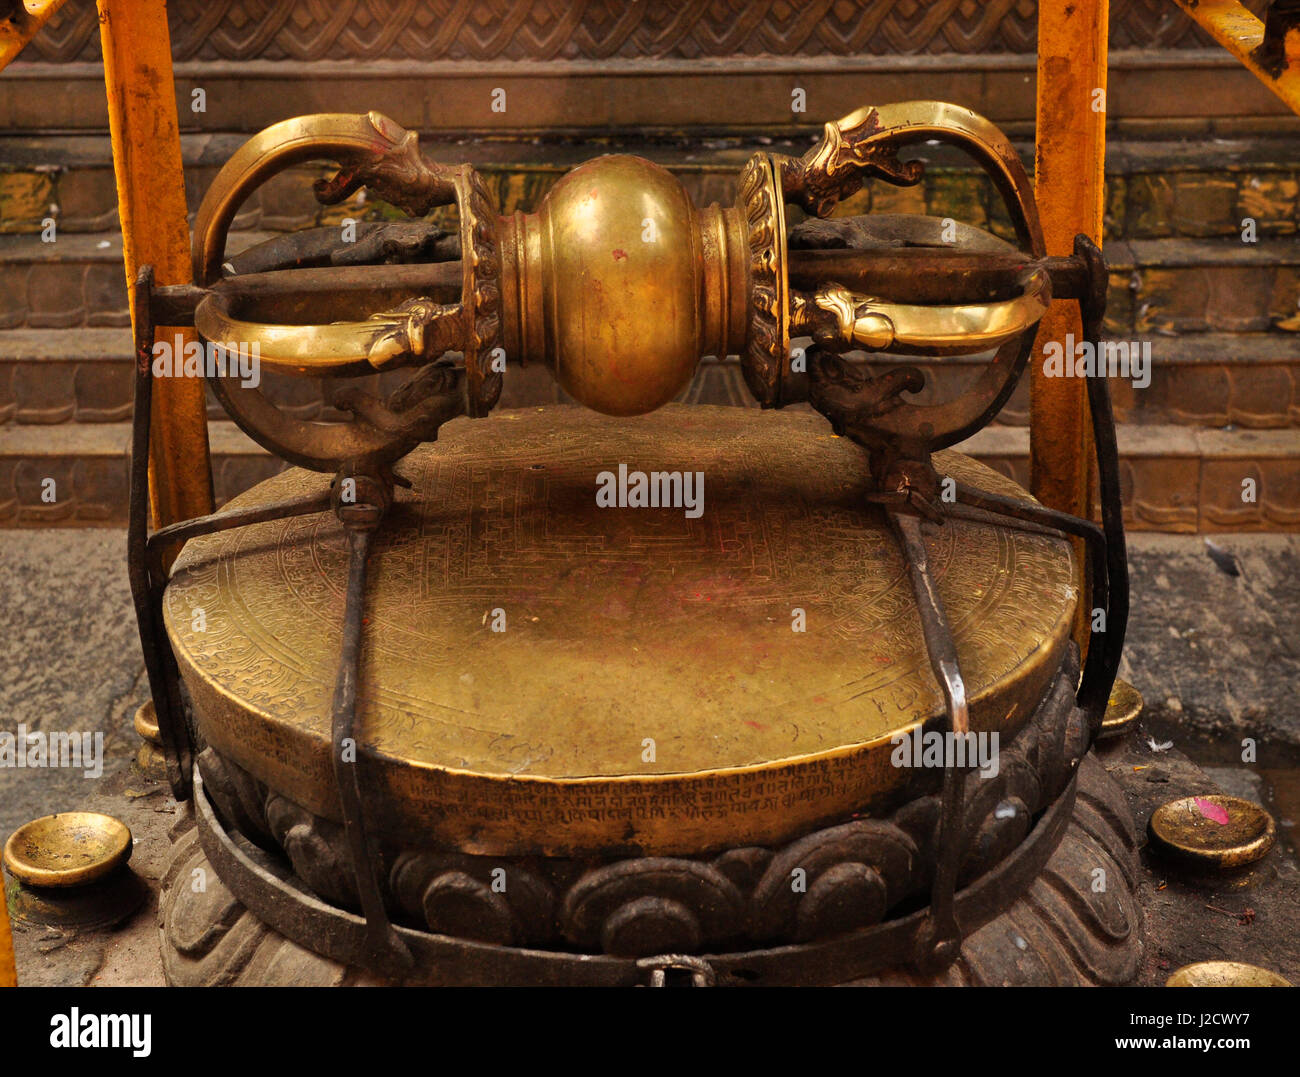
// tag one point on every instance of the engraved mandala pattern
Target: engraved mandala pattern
(619, 620)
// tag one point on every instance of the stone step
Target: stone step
(1156, 189)
(1179, 479)
(88, 467)
(1251, 380)
(1174, 478)
(76, 280)
(1171, 286)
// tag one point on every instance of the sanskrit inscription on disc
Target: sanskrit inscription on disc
(524, 643)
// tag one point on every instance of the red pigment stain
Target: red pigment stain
(819, 699)
(620, 255)
(754, 725)
(1212, 811)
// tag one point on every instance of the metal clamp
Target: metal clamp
(701, 972)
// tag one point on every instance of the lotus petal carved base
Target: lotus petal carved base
(1078, 923)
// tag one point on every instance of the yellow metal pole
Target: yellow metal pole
(1237, 30)
(22, 24)
(155, 231)
(1070, 187)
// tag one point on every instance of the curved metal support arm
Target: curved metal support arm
(370, 149)
(417, 331)
(839, 320)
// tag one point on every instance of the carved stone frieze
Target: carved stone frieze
(488, 30)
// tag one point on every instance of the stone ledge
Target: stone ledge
(1144, 85)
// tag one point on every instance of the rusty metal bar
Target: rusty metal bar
(151, 204)
(904, 276)
(1243, 35)
(383, 944)
(21, 24)
(1070, 186)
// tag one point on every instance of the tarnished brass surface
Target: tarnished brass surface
(618, 283)
(623, 626)
(67, 849)
(862, 322)
(149, 757)
(1225, 974)
(620, 312)
(1184, 830)
(146, 722)
(1123, 709)
(101, 903)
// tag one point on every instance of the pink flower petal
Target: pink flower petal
(1212, 811)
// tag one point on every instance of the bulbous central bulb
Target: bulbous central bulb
(623, 285)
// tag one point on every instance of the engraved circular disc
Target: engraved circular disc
(543, 674)
(1123, 709)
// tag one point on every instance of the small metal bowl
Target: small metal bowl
(146, 723)
(68, 849)
(1224, 974)
(1183, 832)
(1122, 710)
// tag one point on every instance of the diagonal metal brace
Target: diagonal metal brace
(939, 939)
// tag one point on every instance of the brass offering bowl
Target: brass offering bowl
(1191, 832)
(1224, 974)
(1123, 709)
(67, 849)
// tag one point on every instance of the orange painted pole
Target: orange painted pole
(1069, 176)
(1235, 27)
(8, 970)
(155, 231)
(21, 24)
